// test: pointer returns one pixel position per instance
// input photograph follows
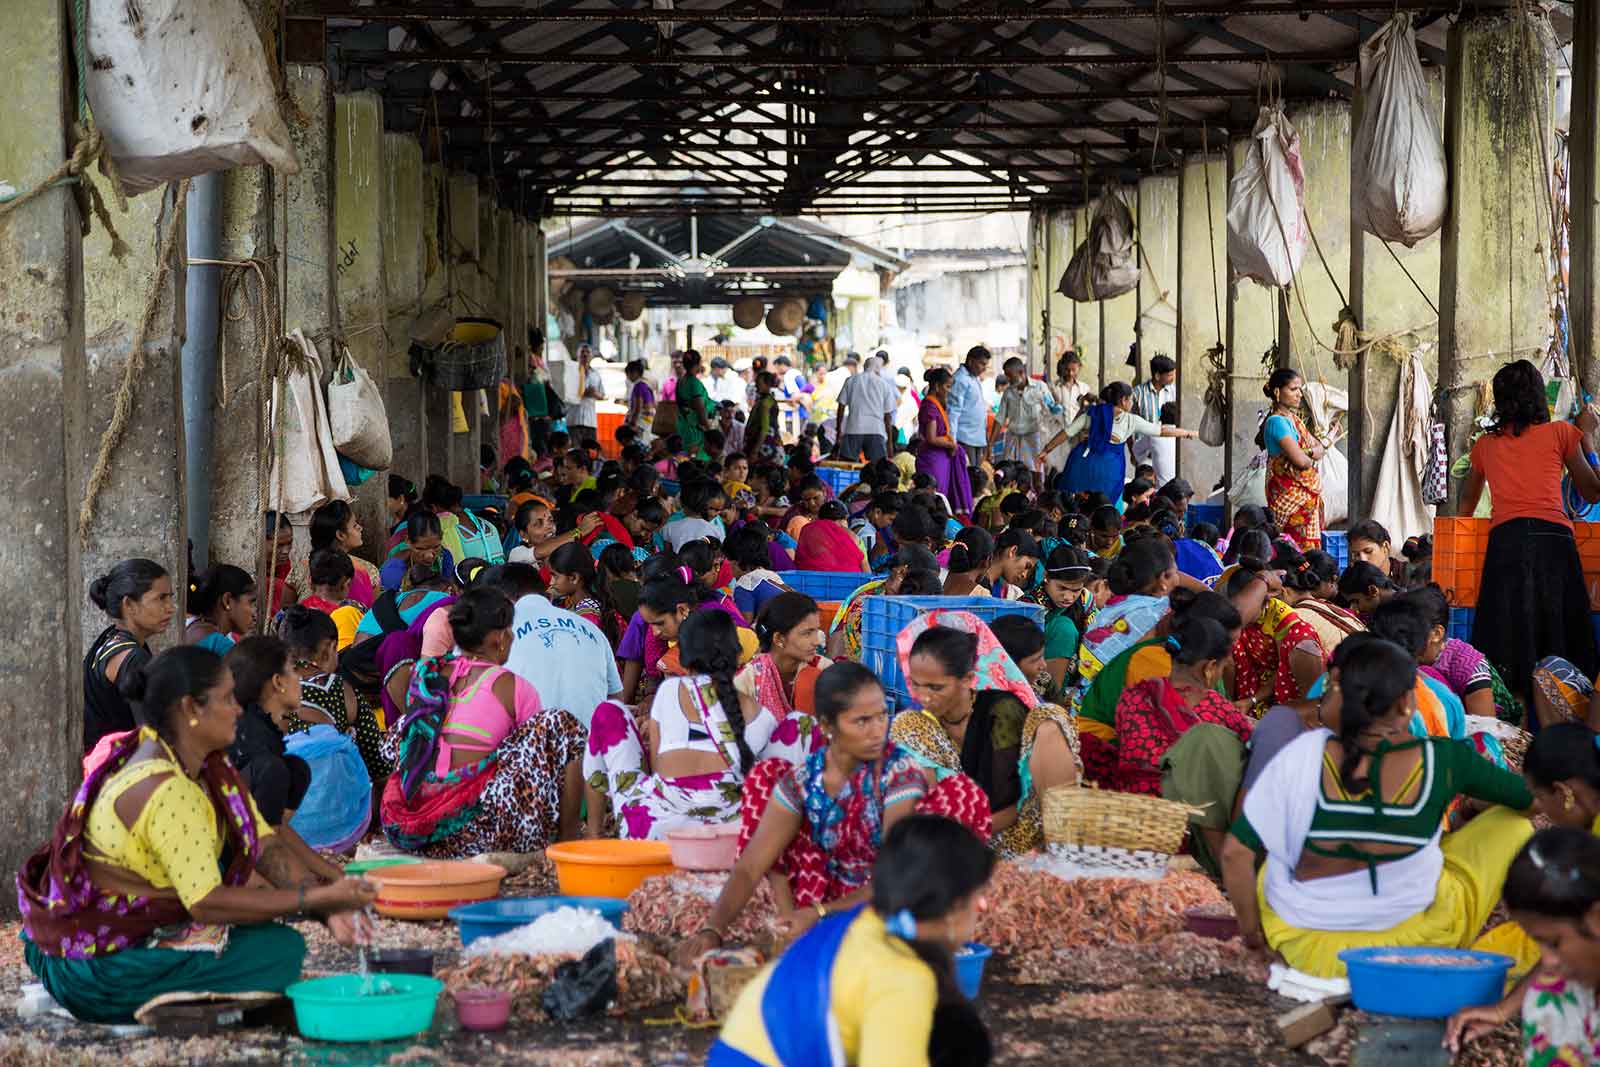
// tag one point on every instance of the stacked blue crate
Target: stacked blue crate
(1336, 543)
(883, 617)
(831, 586)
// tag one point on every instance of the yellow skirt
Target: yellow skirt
(1476, 858)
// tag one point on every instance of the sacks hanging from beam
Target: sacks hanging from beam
(1400, 185)
(1266, 208)
(1106, 264)
(180, 89)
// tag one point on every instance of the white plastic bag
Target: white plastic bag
(1106, 263)
(1400, 185)
(356, 415)
(303, 443)
(1334, 469)
(1266, 210)
(181, 88)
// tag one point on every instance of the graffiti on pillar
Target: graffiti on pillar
(347, 255)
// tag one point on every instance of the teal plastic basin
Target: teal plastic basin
(332, 1008)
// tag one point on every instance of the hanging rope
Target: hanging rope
(1161, 79)
(1409, 277)
(122, 406)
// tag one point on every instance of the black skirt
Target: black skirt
(1532, 602)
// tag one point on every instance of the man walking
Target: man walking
(1148, 399)
(867, 405)
(969, 411)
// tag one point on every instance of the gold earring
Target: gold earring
(193, 722)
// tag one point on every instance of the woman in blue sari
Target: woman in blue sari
(1099, 464)
(876, 984)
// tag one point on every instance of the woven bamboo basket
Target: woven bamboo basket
(601, 300)
(631, 306)
(1103, 818)
(748, 312)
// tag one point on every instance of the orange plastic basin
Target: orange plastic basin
(429, 890)
(608, 868)
(828, 610)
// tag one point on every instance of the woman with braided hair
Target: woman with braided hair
(1350, 824)
(686, 766)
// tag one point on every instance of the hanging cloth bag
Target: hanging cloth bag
(356, 415)
(1266, 210)
(180, 89)
(305, 472)
(1106, 264)
(1400, 185)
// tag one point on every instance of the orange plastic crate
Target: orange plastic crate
(1458, 550)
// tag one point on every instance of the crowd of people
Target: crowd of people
(619, 652)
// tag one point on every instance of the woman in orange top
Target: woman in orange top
(1532, 580)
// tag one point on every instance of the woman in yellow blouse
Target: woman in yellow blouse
(116, 906)
(876, 983)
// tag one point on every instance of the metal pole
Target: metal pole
(198, 362)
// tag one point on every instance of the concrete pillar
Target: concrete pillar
(1037, 331)
(1492, 302)
(1119, 316)
(41, 434)
(140, 510)
(404, 261)
(1254, 322)
(1158, 278)
(1583, 141)
(464, 250)
(1086, 317)
(360, 204)
(538, 279)
(1063, 312)
(435, 458)
(1325, 133)
(1386, 301)
(1202, 293)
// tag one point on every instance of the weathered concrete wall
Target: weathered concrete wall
(436, 402)
(1202, 285)
(41, 359)
(1063, 312)
(1253, 327)
(1492, 268)
(360, 187)
(1325, 150)
(308, 205)
(1385, 301)
(1158, 266)
(1583, 142)
(141, 510)
(1119, 316)
(404, 262)
(464, 251)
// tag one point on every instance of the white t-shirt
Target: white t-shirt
(868, 397)
(564, 656)
(728, 387)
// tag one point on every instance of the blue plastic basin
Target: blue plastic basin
(489, 917)
(970, 962)
(1384, 983)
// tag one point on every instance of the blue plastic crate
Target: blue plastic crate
(839, 478)
(1211, 513)
(883, 617)
(1336, 543)
(1461, 624)
(832, 586)
(485, 501)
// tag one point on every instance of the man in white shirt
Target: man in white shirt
(565, 656)
(1148, 399)
(969, 410)
(582, 420)
(866, 414)
(724, 384)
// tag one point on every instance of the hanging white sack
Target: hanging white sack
(1266, 212)
(1329, 405)
(180, 88)
(305, 470)
(1106, 264)
(356, 415)
(1397, 500)
(1400, 185)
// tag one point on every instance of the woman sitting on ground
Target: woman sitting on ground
(421, 554)
(1406, 623)
(971, 555)
(132, 882)
(480, 766)
(1369, 542)
(687, 765)
(913, 571)
(1456, 664)
(1278, 657)
(1309, 586)
(1350, 825)
(782, 678)
(1141, 577)
(330, 574)
(1364, 587)
(334, 528)
(827, 544)
(576, 586)
(221, 603)
(754, 580)
(880, 977)
(137, 594)
(1067, 573)
(328, 694)
(817, 828)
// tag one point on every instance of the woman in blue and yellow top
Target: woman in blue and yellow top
(876, 983)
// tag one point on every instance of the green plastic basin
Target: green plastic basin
(363, 866)
(332, 1008)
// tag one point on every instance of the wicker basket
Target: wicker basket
(1102, 818)
(462, 367)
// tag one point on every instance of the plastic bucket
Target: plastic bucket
(970, 962)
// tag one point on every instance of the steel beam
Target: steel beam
(565, 58)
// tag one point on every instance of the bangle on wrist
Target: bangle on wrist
(300, 903)
(822, 911)
(710, 929)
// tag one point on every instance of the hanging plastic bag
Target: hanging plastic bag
(1334, 469)
(1106, 264)
(583, 987)
(1213, 425)
(180, 88)
(1249, 490)
(356, 416)
(1400, 185)
(338, 804)
(310, 475)
(1266, 209)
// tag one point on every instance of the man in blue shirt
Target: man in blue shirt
(969, 411)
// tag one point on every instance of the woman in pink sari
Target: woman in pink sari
(939, 456)
(826, 544)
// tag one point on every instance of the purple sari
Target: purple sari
(949, 472)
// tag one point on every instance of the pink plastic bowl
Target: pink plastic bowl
(704, 848)
(482, 1008)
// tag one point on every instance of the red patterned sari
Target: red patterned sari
(1294, 496)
